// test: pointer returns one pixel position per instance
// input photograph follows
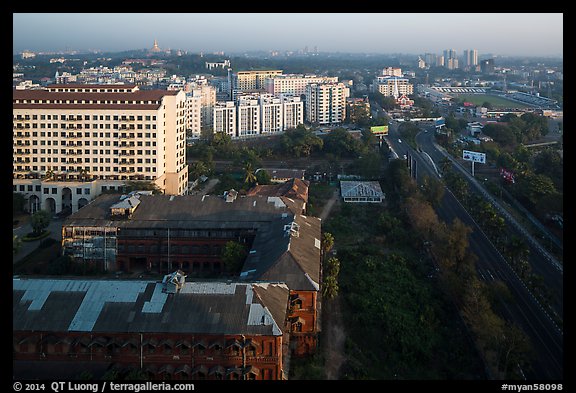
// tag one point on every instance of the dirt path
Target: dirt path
(334, 338)
(334, 335)
(329, 205)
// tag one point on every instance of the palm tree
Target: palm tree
(84, 174)
(327, 243)
(250, 176)
(49, 175)
(330, 287)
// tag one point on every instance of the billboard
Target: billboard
(474, 156)
(379, 130)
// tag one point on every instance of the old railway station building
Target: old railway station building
(212, 325)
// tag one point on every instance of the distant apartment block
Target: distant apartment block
(392, 71)
(72, 133)
(393, 86)
(292, 112)
(271, 119)
(248, 116)
(294, 84)
(223, 64)
(253, 80)
(326, 102)
(200, 101)
(255, 114)
(225, 118)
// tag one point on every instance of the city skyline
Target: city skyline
(505, 34)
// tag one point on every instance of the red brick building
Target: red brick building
(200, 330)
(164, 233)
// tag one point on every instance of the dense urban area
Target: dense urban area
(296, 215)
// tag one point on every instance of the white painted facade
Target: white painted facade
(225, 118)
(326, 102)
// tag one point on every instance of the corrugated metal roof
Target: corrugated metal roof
(141, 306)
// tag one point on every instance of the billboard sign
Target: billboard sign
(474, 156)
(379, 130)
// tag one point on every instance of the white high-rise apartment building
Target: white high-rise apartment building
(81, 133)
(292, 112)
(326, 102)
(193, 113)
(294, 84)
(271, 114)
(248, 116)
(225, 118)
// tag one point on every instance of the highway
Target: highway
(546, 337)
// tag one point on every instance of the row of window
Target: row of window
(45, 190)
(42, 168)
(133, 348)
(87, 143)
(173, 249)
(95, 126)
(85, 117)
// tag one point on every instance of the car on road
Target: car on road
(399, 140)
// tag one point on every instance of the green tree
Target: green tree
(341, 143)
(300, 142)
(198, 169)
(263, 177)
(40, 221)
(433, 190)
(233, 256)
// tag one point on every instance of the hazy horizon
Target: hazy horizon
(502, 34)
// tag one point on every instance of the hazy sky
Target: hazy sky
(524, 34)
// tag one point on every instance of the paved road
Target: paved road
(545, 335)
(26, 248)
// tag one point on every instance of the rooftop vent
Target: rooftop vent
(231, 195)
(173, 282)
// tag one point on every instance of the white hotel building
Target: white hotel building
(94, 137)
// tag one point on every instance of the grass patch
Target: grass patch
(495, 101)
(30, 237)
